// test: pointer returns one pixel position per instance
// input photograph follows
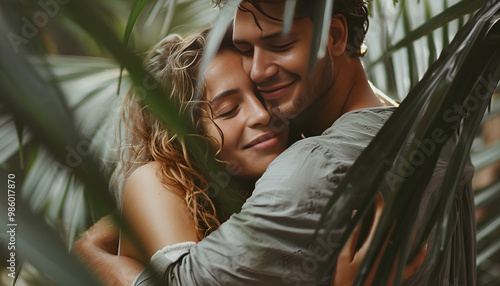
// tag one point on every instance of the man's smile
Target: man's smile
(272, 92)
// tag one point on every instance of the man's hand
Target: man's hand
(98, 248)
(349, 259)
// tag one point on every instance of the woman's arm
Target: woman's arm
(157, 215)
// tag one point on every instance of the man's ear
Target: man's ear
(338, 35)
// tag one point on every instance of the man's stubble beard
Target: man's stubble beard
(302, 112)
(314, 90)
(292, 109)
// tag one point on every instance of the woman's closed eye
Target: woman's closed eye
(226, 112)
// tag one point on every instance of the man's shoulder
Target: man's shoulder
(331, 152)
(365, 120)
(356, 127)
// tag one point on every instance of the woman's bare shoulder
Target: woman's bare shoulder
(146, 180)
(156, 211)
(146, 172)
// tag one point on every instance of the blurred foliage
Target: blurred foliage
(59, 97)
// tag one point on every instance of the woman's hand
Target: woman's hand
(349, 259)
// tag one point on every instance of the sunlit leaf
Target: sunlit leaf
(134, 15)
(321, 18)
(453, 12)
(430, 38)
(215, 37)
(493, 248)
(488, 227)
(410, 50)
(487, 194)
(43, 247)
(9, 142)
(486, 156)
(440, 89)
(288, 15)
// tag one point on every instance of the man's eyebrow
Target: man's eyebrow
(277, 34)
(223, 95)
(274, 35)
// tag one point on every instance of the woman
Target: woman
(166, 199)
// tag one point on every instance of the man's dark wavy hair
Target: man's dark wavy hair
(354, 11)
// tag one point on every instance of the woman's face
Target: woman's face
(251, 139)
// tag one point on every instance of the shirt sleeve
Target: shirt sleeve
(271, 241)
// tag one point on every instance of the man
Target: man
(271, 242)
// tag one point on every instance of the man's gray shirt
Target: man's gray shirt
(269, 241)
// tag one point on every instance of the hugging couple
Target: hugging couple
(285, 172)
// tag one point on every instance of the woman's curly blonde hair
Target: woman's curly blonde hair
(175, 62)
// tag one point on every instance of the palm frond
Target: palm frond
(410, 49)
(11, 140)
(485, 196)
(72, 111)
(453, 12)
(134, 15)
(214, 40)
(430, 38)
(486, 156)
(36, 241)
(51, 121)
(420, 114)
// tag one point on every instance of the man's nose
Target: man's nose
(262, 65)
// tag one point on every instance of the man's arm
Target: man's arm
(98, 248)
(272, 240)
(269, 241)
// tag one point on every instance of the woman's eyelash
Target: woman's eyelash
(227, 113)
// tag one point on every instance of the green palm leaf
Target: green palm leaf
(70, 112)
(485, 196)
(51, 121)
(453, 12)
(42, 247)
(486, 156)
(419, 114)
(134, 15)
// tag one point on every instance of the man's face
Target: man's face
(277, 63)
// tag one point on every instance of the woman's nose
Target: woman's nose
(257, 112)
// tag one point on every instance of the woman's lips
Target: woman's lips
(264, 141)
(265, 144)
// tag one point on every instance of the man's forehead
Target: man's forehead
(271, 9)
(263, 17)
(265, 12)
